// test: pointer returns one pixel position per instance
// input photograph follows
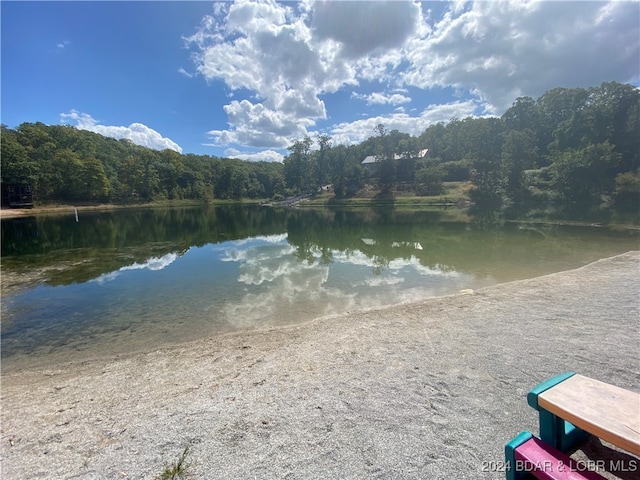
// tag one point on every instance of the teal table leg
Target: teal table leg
(554, 430)
(513, 473)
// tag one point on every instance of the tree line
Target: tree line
(575, 147)
(63, 163)
(569, 147)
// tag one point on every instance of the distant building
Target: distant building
(371, 163)
(17, 195)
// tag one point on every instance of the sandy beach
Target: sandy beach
(427, 390)
(49, 210)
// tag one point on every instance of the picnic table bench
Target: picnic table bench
(570, 407)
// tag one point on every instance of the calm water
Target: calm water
(135, 279)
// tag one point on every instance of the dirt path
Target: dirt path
(429, 390)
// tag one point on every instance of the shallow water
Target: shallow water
(116, 282)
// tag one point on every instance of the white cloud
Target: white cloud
(290, 288)
(260, 126)
(153, 264)
(136, 132)
(263, 156)
(283, 61)
(380, 98)
(446, 111)
(365, 29)
(268, 49)
(501, 50)
(350, 133)
(185, 73)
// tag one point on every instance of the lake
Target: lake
(138, 279)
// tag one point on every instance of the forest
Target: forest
(569, 148)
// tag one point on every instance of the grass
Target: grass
(177, 469)
(454, 193)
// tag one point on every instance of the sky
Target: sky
(247, 79)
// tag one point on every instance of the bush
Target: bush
(429, 181)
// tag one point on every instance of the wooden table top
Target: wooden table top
(606, 411)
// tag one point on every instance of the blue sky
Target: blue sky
(246, 79)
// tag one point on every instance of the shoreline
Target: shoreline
(11, 213)
(69, 209)
(430, 389)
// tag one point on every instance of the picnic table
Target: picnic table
(570, 407)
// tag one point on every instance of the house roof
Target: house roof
(371, 159)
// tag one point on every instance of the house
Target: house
(371, 163)
(17, 195)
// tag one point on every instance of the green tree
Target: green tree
(171, 173)
(232, 180)
(150, 184)
(94, 182)
(131, 179)
(614, 117)
(428, 180)
(627, 190)
(322, 160)
(408, 149)
(337, 159)
(524, 114)
(583, 176)
(519, 153)
(66, 177)
(297, 172)
(16, 165)
(385, 158)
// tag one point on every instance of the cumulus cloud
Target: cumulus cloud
(262, 156)
(349, 133)
(380, 98)
(365, 29)
(259, 126)
(282, 61)
(268, 49)
(501, 50)
(136, 132)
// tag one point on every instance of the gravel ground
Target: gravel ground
(428, 390)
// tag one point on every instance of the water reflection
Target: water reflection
(139, 279)
(153, 263)
(279, 288)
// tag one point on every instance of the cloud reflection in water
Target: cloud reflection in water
(153, 264)
(280, 288)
